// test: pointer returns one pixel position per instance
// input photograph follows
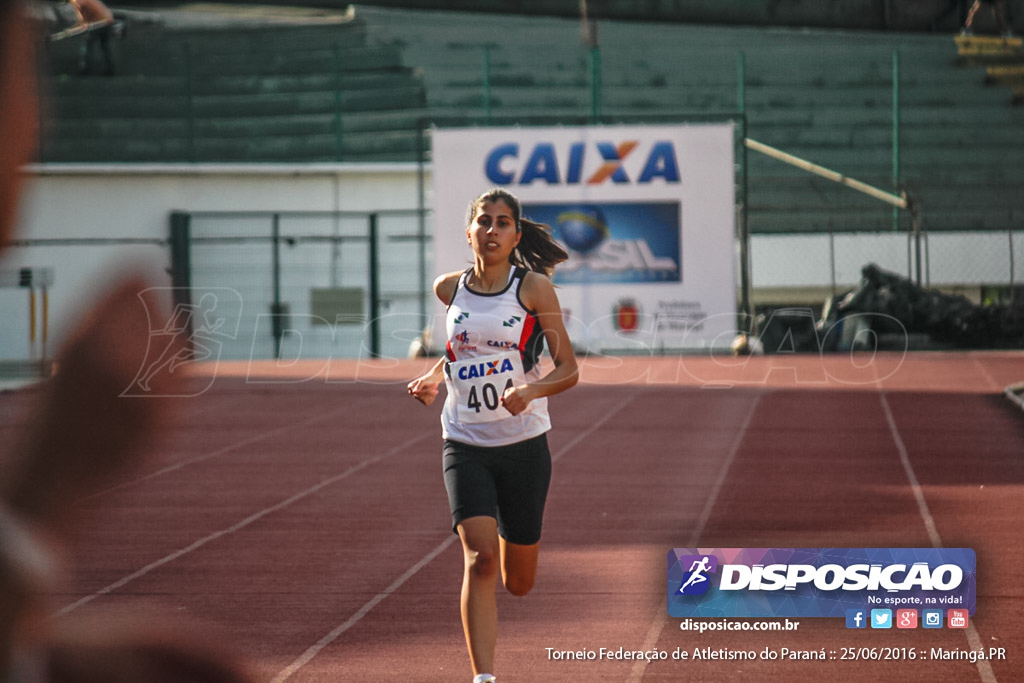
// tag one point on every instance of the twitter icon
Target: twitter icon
(881, 618)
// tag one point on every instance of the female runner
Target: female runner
(496, 460)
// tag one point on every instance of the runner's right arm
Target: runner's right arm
(425, 387)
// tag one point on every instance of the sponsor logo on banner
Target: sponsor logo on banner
(627, 315)
(582, 163)
(821, 582)
(646, 212)
(615, 242)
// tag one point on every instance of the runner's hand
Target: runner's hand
(423, 390)
(515, 400)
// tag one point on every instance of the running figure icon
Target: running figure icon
(192, 333)
(697, 571)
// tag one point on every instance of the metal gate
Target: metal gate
(295, 285)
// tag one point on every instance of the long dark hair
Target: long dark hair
(537, 250)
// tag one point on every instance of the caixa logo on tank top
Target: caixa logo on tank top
(503, 344)
(488, 368)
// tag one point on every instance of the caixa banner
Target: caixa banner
(817, 582)
(646, 214)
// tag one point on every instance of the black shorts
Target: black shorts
(508, 483)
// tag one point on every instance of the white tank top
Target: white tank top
(493, 340)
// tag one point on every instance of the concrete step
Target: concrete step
(322, 147)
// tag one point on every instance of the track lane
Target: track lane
(621, 497)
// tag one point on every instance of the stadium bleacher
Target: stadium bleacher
(353, 86)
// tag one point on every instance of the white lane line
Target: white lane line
(240, 525)
(1014, 393)
(984, 372)
(654, 632)
(915, 487)
(213, 454)
(594, 427)
(973, 639)
(314, 650)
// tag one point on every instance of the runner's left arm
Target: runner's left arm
(538, 294)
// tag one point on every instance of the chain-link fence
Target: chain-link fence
(979, 264)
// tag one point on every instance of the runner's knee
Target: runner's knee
(482, 564)
(519, 585)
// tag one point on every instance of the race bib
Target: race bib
(478, 384)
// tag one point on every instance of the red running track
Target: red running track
(300, 512)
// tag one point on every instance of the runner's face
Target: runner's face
(493, 234)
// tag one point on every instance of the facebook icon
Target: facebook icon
(856, 618)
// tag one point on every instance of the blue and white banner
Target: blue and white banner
(818, 582)
(615, 242)
(647, 214)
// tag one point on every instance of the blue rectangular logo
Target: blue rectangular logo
(819, 582)
(856, 618)
(696, 579)
(881, 618)
(931, 618)
(615, 242)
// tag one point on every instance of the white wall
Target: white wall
(135, 201)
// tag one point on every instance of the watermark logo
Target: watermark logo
(696, 580)
(191, 333)
(821, 582)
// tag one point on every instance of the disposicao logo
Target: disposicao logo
(696, 580)
(818, 582)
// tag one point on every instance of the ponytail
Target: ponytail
(537, 251)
